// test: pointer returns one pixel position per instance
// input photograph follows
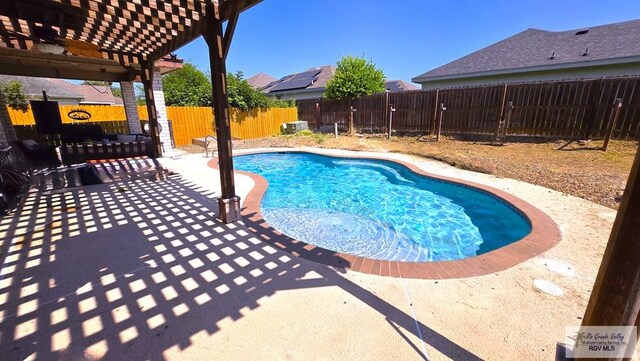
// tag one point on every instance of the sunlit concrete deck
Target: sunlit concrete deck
(142, 270)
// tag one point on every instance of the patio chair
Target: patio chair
(38, 154)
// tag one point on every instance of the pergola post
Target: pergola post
(147, 80)
(131, 107)
(615, 299)
(228, 203)
(161, 113)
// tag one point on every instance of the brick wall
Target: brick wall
(131, 107)
(161, 110)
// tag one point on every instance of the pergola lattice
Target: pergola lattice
(123, 40)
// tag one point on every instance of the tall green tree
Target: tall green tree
(14, 95)
(184, 87)
(354, 77)
(139, 92)
(241, 94)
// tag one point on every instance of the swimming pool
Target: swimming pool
(380, 209)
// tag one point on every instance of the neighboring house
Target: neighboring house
(309, 84)
(91, 94)
(260, 81)
(394, 86)
(33, 88)
(611, 50)
(65, 93)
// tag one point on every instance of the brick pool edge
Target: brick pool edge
(543, 236)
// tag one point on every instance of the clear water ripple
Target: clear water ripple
(379, 209)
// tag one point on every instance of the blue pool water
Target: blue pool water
(380, 209)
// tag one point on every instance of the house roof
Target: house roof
(35, 87)
(260, 80)
(535, 49)
(319, 81)
(58, 88)
(395, 86)
(97, 94)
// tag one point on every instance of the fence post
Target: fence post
(440, 118)
(318, 115)
(351, 126)
(386, 111)
(592, 110)
(391, 111)
(507, 119)
(435, 112)
(501, 112)
(612, 123)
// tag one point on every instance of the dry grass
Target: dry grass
(580, 170)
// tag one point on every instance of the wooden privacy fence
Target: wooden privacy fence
(187, 122)
(572, 109)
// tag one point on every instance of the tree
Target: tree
(184, 87)
(14, 95)
(116, 91)
(140, 97)
(241, 94)
(281, 103)
(355, 77)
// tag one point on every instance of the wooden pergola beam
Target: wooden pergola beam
(615, 299)
(27, 63)
(228, 34)
(226, 11)
(228, 203)
(182, 39)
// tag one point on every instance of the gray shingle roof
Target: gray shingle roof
(395, 86)
(260, 80)
(35, 86)
(96, 94)
(532, 48)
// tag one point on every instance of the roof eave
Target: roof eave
(600, 62)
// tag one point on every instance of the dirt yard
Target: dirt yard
(580, 170)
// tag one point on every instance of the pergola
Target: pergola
(131, 35)
(123, 40)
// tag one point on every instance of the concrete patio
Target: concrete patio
(141, 269)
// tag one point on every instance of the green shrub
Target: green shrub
(319, 138)
(304, 133)
(14, 95)
(355, 77)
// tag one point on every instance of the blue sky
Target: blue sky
(403, 37)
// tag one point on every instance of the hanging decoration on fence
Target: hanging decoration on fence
(79, 114)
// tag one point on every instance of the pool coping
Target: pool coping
(543, 236)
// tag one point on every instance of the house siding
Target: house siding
(302, 95)
(578, 73)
